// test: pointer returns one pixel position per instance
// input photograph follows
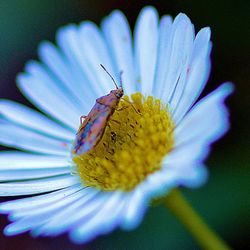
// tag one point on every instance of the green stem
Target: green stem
(180, 207)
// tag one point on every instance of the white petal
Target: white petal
(72, 45)
(159, 183)
(102, 222)
(95, 52)
(63, 220)
(186, 49)
(146, 42)
(47, 94)
(135, 210)
(40, 216)
(39, 200)
(17, 137)
(44, 210)
(86, 207)
(15, 160)
(118, 35)
(191, 176)
(16, 175)
(187, 153)
(183, 166)
(202, 43)
(197, 73)
(31, 119)
(165, 30)
(194, 176)
(176, 55)
(88, 210)
(62, 69)
(67, 40)
(37, 186)
(208, 119)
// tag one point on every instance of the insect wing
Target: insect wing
(90, 134)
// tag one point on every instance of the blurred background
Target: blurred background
(224, 201)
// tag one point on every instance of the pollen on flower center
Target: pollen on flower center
(132, 147)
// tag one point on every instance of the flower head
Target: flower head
(156, 138)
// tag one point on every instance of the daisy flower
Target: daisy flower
(156, 140)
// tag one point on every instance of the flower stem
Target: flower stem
(205, 237)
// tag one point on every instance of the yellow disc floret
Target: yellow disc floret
(138, 135)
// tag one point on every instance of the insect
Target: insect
(94, 124)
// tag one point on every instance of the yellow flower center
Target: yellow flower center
(132, 147)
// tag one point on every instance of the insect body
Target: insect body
(93, 127)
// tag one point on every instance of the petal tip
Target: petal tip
(149, 11)
(228, 87)
(183, 17)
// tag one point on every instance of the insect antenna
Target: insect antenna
(109, 76)
(132, 106)
(121, 78)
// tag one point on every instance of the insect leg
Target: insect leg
(122, 108)
(82, 117)
(113, 120)
(132, 106)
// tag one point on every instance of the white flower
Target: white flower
(165, 60)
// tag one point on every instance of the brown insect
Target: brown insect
(94, 124)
